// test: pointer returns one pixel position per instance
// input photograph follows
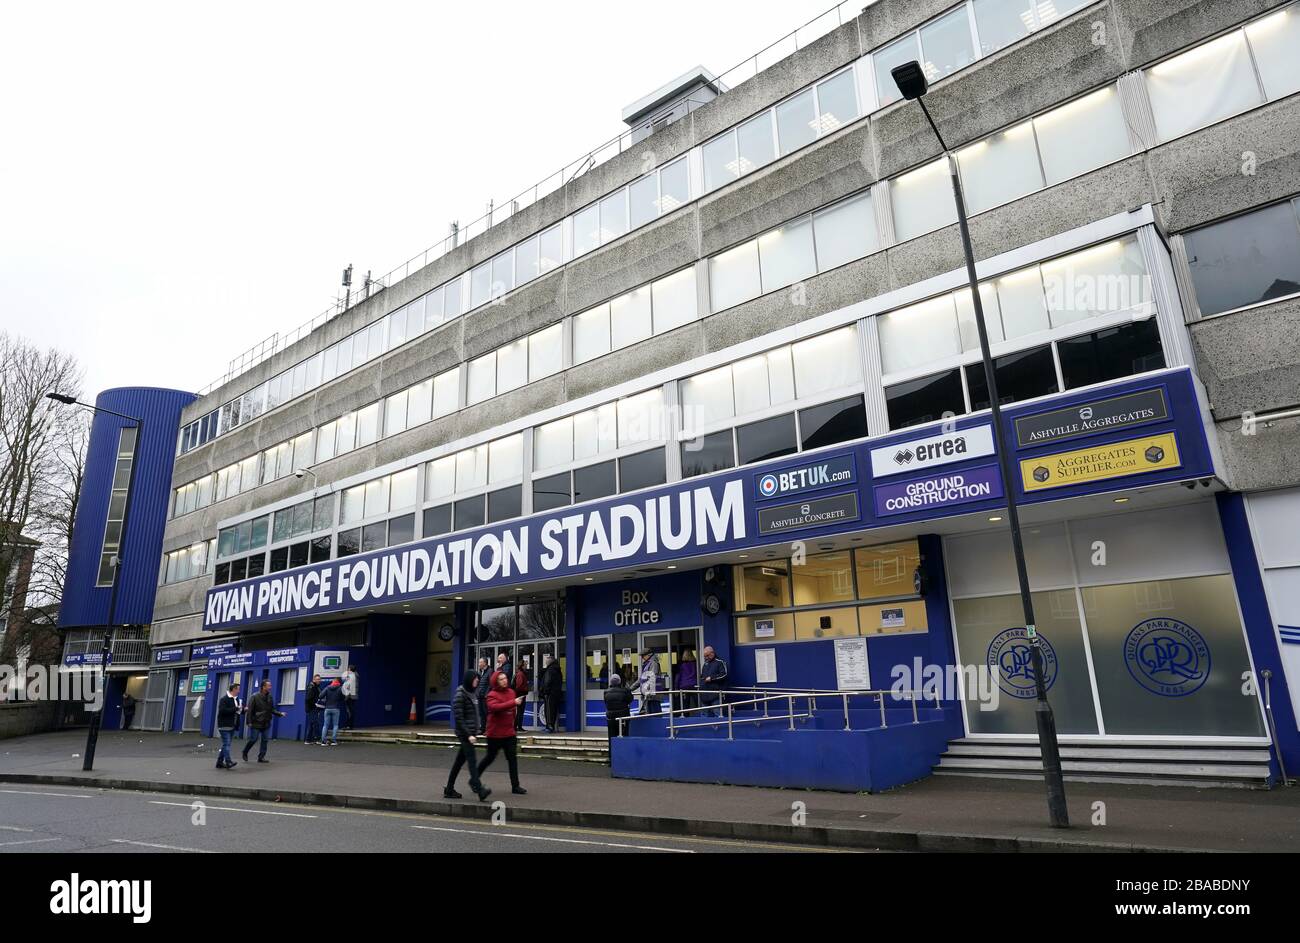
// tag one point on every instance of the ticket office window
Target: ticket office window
(864, 591)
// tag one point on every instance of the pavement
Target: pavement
(936, 814)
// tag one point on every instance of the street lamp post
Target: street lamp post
(911, 81)
(96, 717)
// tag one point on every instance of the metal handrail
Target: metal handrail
(789, 696)
(500, 212)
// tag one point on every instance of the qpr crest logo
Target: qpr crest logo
(1167, 657)
(1010, 660)
(767, 485)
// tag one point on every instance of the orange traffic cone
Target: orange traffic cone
(411, 719)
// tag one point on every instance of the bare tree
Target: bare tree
(40, 445)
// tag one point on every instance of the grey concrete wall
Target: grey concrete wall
(21, 719)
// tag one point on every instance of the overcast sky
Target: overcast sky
(182, 180)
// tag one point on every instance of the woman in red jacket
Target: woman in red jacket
(501, 704)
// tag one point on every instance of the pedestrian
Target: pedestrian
(503, 666)
(687, 680)
(713, 681)
(128, 711)
(312, 703)
(646, 683)
(618, 704)
(228, 710)
(261, 711)
(350, 694)
(550, 687)
(464, 718)
(481, 689)
(522, 685)
(501, 704)
(333, 701)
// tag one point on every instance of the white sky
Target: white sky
(178, 181)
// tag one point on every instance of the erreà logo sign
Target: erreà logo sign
(840, 470)
(933, 450)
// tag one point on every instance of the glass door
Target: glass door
(597, 663)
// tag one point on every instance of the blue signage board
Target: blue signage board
(283, 656)
(824, 473)
(915, 475)
(213, 648)
(245, 660)
(168, 656)
(936, 492)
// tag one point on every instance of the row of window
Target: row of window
(651, 309)
(787, 126)
(1104, 279)
(189, 562)
(116, 506)
(1246, 260)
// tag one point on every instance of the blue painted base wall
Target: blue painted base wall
(838, 760)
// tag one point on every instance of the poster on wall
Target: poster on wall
(764, 628)
(892, 619)
(329, 664)
(765, 665)
(851, 672)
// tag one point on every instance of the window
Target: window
(437, 520)
(1082, 135)
(925, 400)
(919, 334)
(480, 285)
(837, 102)
(845, 232)
(629, 317)
(504, 504)
(367, 425)
(946, 45)
(613, 216)
(1000, 168)
(349, 543)
(786, 255)
(642, 470)
(1274, 40)
(505, 459)
(526, 260)
(594, 481)
(674, 186)
(116, 506)
(827, 362)
(1107, 278)
(469, 512)
(591, 334)
(402, 491)
(1110, 354)
(734, 276)
(1247, 259)
(769, 438)
(755, 143)
(641, 418)
(446, 392)
(674, 302)
(886, 60)
(720, 163)
(1021, 375)
(401, 529)
(1002, 22)
(643, 200)
(707, 454)
(1203, 85)
(586, 230)
(482, 379)
(796, 123)
(551, 492)
(922, 201)
(419, 403)
(512, 366)
(395, 414)
(839, 421)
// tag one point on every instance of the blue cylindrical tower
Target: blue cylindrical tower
(84, 602)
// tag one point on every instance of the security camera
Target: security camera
(300, 473)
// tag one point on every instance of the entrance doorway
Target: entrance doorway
(525, 631)
(621, 653)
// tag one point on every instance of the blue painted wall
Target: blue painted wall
(85, 604)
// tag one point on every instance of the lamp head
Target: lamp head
(62, 398)
(910, 79)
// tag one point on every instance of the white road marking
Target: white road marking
(566, 841)
(59, 795)
(145, 844)
(15, 828)
(228, 808)
(28, 841)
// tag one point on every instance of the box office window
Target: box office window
(1022, 375)
(708, 453)
(925, 399)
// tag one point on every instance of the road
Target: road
(69, 820)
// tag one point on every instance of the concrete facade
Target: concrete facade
(1248, 361)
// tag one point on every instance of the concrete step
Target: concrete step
(1132, 762)
(586, 749)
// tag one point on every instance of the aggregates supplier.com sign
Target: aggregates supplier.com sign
(666, 525)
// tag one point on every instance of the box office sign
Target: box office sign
(1112, 460)
(818, 512)
(1103, 415)
(943, 449)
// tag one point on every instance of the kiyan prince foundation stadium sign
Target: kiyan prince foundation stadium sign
(681, 523)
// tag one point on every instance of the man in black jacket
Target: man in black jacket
(261, 709)
(314, 711)
(550, 688)
(464, 720)
(481, 690)
(618, 703)
(228, 711)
